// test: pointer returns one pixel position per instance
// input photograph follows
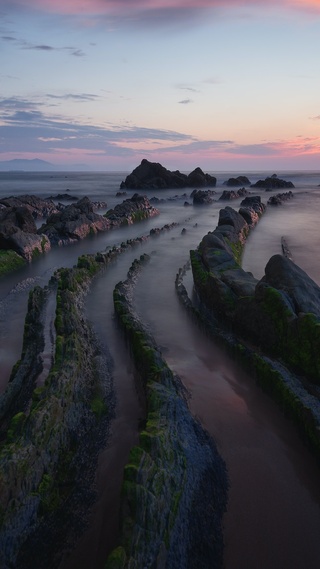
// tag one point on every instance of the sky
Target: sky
(221, 84)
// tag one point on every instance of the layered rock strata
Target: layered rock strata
(278, 316)
(174, 489)
(50, 447)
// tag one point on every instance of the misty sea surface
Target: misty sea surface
(273, 513)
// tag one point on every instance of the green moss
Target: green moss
(49, 494)
(35, 253)
(200, 275)
(16, 426)
(43, 244)
(139, 215)
(236, 248)
(117, 559)
(10, 261)
(98, 406)
(89, 263)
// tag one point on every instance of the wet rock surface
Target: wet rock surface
(278, 316)
(174, 489)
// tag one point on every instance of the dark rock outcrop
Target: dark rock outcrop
(272, 183)
(19, 233)
(152, 175)
(280, 314)
(66, 197)
(174, 489)
(55, 435)
(38, 207)
(278, 199)
(237, 182)
(232, 195)
(198, 178)
(201, 197)
(251, 209)
(131, 210)
(74, 222)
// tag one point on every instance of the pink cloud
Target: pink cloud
(104, 7)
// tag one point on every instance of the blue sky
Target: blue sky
(230, 84)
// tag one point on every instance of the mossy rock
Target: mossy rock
(10, 261)
(117, 559)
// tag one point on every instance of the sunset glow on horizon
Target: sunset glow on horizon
(104, 83)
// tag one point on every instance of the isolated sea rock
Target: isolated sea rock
(131, 210)
(38, 207)
(74, 222)
(238, 181)
(152, 175)
(272, 183)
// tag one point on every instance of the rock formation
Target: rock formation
(232, 195)
(47, 452)
(272, 183)
(18, 232)
(278, 199)
(131, 210)
(201, 197)
(151, 175)
(174, 488)
(75, 221)
(38, 207)
(238, 181)
(280, 314)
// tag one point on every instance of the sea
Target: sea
(273, 513)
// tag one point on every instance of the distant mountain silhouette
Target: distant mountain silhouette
(34, 165)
